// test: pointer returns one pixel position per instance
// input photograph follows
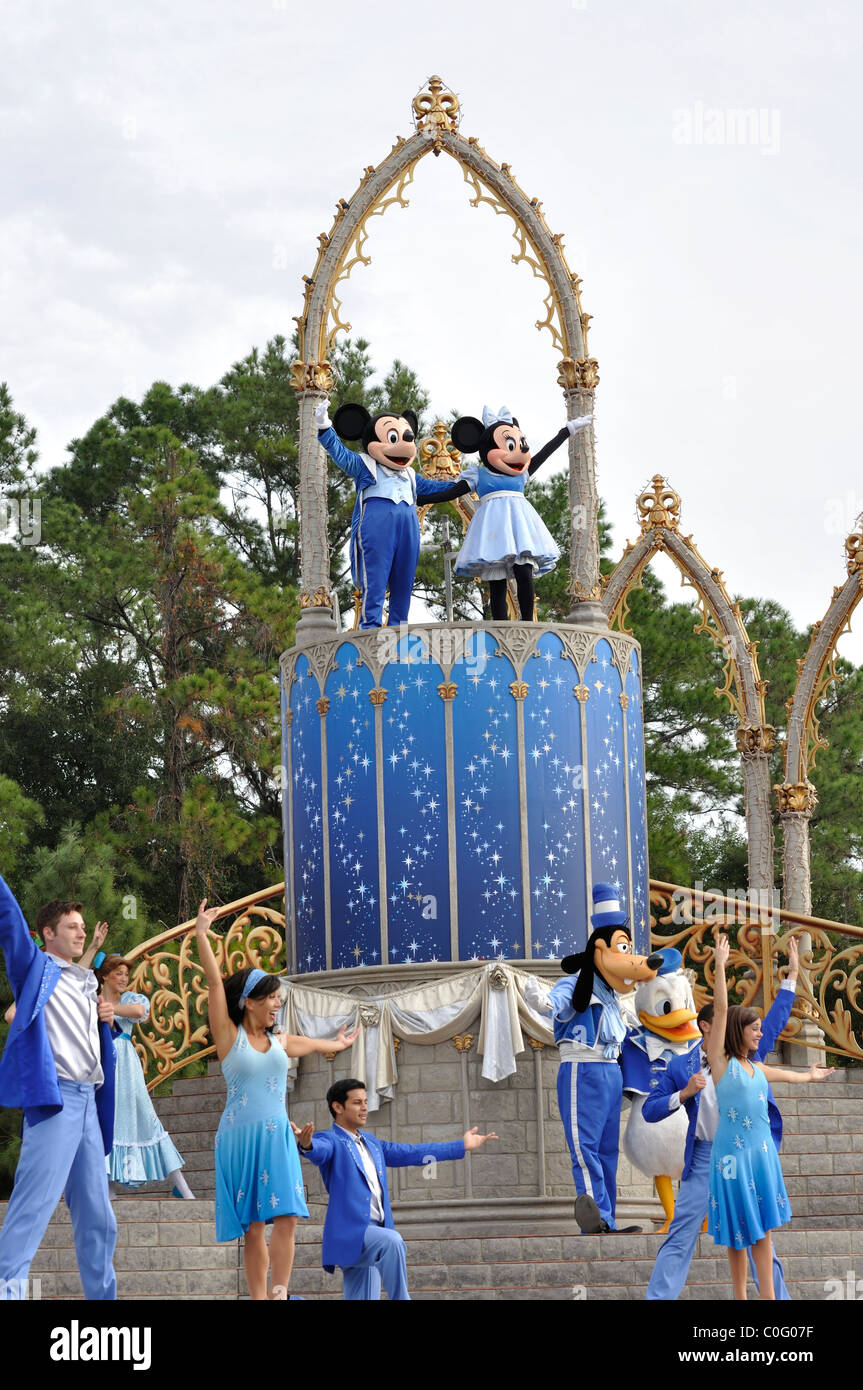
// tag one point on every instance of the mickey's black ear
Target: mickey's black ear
(411, 418)
(349, 421)
(466, 434)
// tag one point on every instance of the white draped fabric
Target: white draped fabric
(503, 999)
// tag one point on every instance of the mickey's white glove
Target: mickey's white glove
(581, 423)
(322, 418)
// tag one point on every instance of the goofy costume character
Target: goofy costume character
(68, 1124)
(385, 529)
(589, 1032)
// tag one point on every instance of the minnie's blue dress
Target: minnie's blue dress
(143, 1150)
(258, 1173)
(747, 1191)
(505, 529)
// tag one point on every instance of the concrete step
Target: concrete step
(167, 1250)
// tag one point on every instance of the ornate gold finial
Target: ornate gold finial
(535, 1044)
(438, 455)
(322, 705)
(795, 798)
(658, 506)
(518, 689)
(447, 690)
(854, 549)
(436, 109)
(581, 693)
(378, 695)
(463, 1042)
(624, 700)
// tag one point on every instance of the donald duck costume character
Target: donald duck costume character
(666, 1029)
(589, 1032)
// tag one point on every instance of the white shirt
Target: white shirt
(371, 1172)
(72, 1024)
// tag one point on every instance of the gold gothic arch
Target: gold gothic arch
(436, 122)
(659, 514)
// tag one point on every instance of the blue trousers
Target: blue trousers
(589, 1097)
(385, 552)
(382, 1262)
(63, 1155)
(690, 1209)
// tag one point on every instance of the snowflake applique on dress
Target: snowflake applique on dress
(265, 1177)
(274, 1200)
(271, 1126)
(272, 1084)
(732, 1114)
(738, 1142)
(747, 1122)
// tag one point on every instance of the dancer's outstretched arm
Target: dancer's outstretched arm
(796, 1077)
(715, 1044)
(223, 1030)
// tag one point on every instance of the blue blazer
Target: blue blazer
(350, 1204)
(680, 1069)
(28, 1072)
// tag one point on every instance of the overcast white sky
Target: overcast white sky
(169, 166)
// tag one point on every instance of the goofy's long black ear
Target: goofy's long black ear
(411, 418)
(466, 434)
(349, 421)
(583, 985)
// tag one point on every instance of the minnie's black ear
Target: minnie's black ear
(349, 421)
(466, 434)
(411, 418)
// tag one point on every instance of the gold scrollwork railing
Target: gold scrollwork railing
(166, 970)
(831, 969)
(829, 992)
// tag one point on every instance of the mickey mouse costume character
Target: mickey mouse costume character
(507, 538)
(385, 531)
(589, 1032)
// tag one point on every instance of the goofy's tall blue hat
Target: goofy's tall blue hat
(606, 920)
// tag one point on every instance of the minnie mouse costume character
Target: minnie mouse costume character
(385, 530)
(507, 538)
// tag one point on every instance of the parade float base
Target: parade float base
(523, 1248)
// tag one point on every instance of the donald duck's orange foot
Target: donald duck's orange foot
(665, 1193)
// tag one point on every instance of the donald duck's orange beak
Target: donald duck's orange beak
(679, 1026)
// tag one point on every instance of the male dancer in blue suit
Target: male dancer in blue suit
(58, 1066)
(687, 1080)
(359, 1232)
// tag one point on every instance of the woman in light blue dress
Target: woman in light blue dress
(258, 1178)
(747, 1191)
(143, 1150)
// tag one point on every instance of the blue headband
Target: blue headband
(255, 977)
